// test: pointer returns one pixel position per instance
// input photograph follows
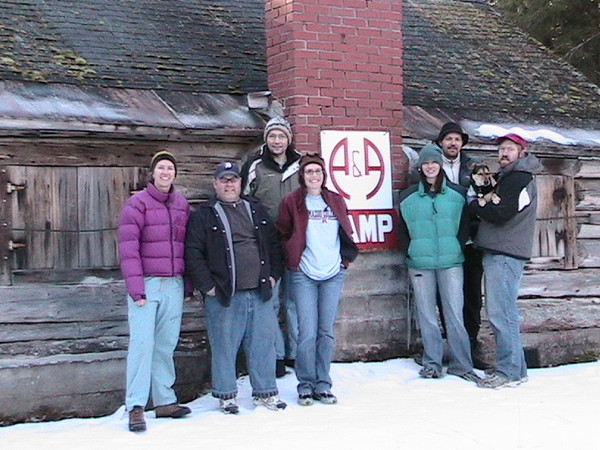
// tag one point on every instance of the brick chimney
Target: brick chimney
(337, 65)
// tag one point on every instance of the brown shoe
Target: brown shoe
(136, 419)
(173, 410)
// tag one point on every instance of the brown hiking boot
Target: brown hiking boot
(136, 419)
(173, 410)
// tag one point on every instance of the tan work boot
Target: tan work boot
(136, 419)
(173, 410)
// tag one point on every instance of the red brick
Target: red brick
(317, 64)
(356, 22)
(319, 82)
(339, 100)
(320, 101)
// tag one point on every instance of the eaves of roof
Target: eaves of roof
(38, 109)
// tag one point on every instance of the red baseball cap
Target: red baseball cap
(513, 137)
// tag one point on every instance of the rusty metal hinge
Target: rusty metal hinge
(10, 187)
(12, 245)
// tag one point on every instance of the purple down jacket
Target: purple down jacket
(152, 237)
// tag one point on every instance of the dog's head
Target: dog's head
(482, 179)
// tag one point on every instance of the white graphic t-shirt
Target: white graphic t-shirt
(321, 258)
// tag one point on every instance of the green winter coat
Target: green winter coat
(433, 228)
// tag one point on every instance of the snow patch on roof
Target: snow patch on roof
(533, 134)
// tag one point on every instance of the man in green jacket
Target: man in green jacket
(269, 175)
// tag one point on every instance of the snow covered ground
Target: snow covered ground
(381, 406)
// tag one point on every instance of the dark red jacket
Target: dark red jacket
(293, 220)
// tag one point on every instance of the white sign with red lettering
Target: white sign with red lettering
(359, 167)
(360, 170)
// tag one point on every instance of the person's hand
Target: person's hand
(140, 302)
(212, 292)
(272, 282)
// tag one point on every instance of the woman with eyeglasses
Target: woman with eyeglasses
(316, 237)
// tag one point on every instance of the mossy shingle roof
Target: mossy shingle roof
(463, 57)
(212, 46)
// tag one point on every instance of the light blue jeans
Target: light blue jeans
(285, 345)
(449, 282)
(502, 282)
(317, 305)
(153, 335)
(249, 320)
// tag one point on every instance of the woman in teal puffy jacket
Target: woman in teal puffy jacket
(433, 228)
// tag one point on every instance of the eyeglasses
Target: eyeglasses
(313, 172)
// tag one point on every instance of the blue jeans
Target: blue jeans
(249, 320)
(449, 283)
(153, 335)
(285, 346)
(317, 305)
(502, 282)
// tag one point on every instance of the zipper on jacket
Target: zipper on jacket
(171, 238)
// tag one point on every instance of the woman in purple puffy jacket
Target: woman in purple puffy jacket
(151, 245)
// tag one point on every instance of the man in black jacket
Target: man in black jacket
(457, 166)
(233, 258)
(506, 235)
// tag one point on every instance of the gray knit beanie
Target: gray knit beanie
(278, 123)
(430, 153)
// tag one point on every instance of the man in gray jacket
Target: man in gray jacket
(506, 236)
(269, 175)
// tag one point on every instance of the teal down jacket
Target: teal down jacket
(433, 228)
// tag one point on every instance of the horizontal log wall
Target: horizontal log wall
(50, 333)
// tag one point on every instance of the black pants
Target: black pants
(473, 272)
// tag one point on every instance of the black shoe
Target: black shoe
(290, 362)
(280, 369)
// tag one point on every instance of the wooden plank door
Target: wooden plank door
(68, 218)
(556, 225)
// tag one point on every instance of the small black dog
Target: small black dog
(483, 185)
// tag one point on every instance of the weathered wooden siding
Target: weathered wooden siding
(559, 298)
(65, 317)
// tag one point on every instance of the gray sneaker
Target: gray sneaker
(273, 403)
(305, 399)
(497, 381)
(429, 372)
(229, 406)
(325, 397)
(471, 377)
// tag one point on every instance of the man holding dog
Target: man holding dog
(457, 166)
(505, 235)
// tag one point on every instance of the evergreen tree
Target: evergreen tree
(570, 28)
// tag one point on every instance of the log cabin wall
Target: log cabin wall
(559, 298)
(61, 294)
(63, 301)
